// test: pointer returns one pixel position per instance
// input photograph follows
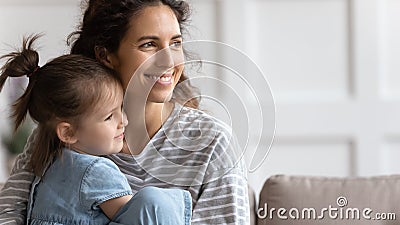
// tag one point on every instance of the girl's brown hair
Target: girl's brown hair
(65, 89)
(105, 23)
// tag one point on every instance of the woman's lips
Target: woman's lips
(165, 79)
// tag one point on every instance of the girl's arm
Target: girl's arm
(15, 193)
(112, 206)
(103, 185)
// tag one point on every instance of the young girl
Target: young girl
(77, 105)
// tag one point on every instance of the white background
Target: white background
(333, 67)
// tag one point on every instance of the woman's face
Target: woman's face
(154, 30)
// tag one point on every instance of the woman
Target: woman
(122, 35)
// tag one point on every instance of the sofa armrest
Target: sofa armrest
(335, 200)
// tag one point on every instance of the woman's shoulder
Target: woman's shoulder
(194, 130)
(194, 118)
(213, 137)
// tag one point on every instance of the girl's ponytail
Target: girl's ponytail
(21, 63)
(65, 89)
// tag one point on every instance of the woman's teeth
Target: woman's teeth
(165, 79)
(162, 78)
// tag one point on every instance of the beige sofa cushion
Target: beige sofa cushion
(368, 196)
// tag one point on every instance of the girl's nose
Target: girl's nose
(124, 119)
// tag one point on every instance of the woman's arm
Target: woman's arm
(15, 193)
(223, 201)
(224, 195)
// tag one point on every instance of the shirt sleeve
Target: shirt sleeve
(223, 201)
(102, 181)
(224, 195)
(15, 193)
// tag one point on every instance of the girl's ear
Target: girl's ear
(65, 133)
(103, 56)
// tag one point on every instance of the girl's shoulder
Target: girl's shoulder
(78, 163)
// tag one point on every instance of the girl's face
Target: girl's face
(154, 30)
(102, 131)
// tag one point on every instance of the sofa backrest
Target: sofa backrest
(300, 200)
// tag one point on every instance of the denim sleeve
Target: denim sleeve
(153, 205)
(102, 181)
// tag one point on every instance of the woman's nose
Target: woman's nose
(164, 59)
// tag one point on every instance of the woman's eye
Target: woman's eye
(147, 45)
(176, 44)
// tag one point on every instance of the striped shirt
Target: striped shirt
(192, 151)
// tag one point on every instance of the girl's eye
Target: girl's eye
(109, 117)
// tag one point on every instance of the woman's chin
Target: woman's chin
(160, 97)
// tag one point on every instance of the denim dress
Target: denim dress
(72, 189)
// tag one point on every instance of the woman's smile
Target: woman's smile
(165, 79)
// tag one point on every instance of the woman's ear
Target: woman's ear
(103, 56)
(65, 133)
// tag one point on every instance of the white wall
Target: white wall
(332, 66)
(54, 19)
(333, 69)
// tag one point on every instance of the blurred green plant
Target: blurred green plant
(14, 142)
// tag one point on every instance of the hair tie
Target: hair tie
(33, 72)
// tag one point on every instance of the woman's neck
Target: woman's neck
(155, 116)
(144, 124)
